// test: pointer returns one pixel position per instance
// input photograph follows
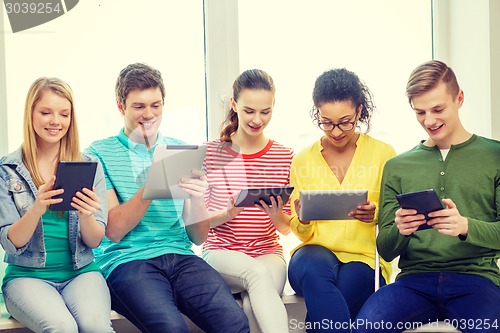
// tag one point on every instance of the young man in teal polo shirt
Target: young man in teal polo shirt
(449, 272)
(152, 273)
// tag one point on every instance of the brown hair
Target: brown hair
(253, 79)
(137, 76)
(427, 76)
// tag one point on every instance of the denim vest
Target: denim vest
(17, 195)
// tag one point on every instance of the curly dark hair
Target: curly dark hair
(340, 84)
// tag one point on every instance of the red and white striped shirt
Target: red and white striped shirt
(251, 231)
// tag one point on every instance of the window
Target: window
(89, 45)
(295, 41)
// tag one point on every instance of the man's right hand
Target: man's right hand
(408, 221)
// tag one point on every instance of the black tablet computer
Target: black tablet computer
(423, 202)
(72, 177)
(250, 196)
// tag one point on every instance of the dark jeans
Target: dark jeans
(469, 302)
(333, 291)
(153, 293)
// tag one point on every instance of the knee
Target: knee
(237, 321)
(95, 325)
(65, 324)
(258, 274)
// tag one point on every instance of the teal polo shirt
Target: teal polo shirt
(161, 230)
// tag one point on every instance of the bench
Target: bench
(294, 304)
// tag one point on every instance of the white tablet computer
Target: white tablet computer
(330, 204)
(170, 164)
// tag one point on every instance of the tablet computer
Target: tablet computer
(330, 204)
(170, 164)
(250, 196)
(72, 177)
(423, 202)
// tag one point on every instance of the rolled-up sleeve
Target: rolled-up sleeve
(8, 215)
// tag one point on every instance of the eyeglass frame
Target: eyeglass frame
(352, 124)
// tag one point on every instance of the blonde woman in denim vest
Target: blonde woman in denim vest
(51, 283)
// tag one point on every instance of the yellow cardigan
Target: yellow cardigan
(350, 240)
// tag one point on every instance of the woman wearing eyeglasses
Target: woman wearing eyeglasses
(334, 266)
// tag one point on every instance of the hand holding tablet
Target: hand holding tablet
(330, 204)
(251, 196)
(423, 202)
(170, 164)
(72, 177)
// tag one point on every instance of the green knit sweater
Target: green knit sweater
(470, 176)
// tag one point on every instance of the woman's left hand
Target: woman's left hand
(86, 202)
(364, 212)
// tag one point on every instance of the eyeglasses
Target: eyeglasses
(344, 126)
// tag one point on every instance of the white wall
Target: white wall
(3, 93)
(494, 18)
(468, 40)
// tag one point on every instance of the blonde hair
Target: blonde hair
(69, 149)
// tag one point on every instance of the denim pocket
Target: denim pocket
(20, 194)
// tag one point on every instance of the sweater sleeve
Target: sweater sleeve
(485, 233)
(390, 243)
(302, 231)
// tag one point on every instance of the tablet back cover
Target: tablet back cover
(72, 177)
(170, 164)
(330, 204)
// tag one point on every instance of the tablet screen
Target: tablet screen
(250, 196)
(72, 177)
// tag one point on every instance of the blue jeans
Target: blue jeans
(81, 304)
(333, 291)
(469, 302)
(153, 293)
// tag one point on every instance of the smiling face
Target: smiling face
(254, 109)
(339, 113)
(51, 118)
(437, 113)
(142, 111)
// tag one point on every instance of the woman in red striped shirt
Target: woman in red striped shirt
(243, 243)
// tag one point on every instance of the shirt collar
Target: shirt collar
(137, 147)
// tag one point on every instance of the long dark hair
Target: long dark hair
(253, 79)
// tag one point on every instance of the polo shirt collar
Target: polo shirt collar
(137, 147)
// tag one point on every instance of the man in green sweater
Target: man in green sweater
(449, 271)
